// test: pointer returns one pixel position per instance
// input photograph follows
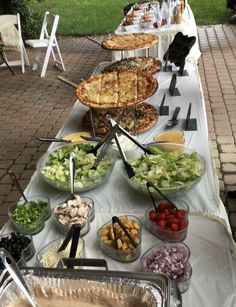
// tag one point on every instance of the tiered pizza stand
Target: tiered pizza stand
(135, 104)
(133, 50)
(122, 112)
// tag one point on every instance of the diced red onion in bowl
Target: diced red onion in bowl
(169, 260)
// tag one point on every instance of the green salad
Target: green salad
(57, 166)
(166, 169)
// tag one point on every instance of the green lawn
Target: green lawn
(209, 12)
(82, 17)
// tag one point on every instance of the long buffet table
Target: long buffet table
(165, 35)
(209, 239)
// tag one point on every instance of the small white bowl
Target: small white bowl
(126, 144)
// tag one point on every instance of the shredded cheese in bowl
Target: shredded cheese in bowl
(49, 256)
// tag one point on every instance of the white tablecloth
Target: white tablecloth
(166, 35)
(213, 280)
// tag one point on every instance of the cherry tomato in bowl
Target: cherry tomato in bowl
(168, 223)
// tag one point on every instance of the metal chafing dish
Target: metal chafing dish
(150, 289)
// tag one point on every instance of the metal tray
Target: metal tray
(155, 287)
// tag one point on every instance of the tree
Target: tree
(231, 4)
(30, 20)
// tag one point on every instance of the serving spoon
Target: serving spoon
(72, 174)
(17, 185)
(173, 121)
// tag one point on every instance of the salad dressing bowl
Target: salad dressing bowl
(173, 168)
(53, 166)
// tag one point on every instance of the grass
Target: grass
(90, 17)
(82, 17)
(210, 12)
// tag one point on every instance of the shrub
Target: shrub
(31, 21)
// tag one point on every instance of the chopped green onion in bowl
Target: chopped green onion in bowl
(29, 218)
(28, 213)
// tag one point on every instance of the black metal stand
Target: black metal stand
(172, 89)
(182, 71)
(190, 123)
(166, 67)
(163, 110)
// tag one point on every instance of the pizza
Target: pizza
(149, 65)
(135, 120)
(130, 41)
(116, 89)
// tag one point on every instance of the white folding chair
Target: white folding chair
(12, 40)
(47, 41)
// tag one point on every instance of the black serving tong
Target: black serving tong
(107, 139)
(113, 123)
(115, 219)
(106, 143)
(128, 167)
(73, 234)
(149, 184)
(151, 196)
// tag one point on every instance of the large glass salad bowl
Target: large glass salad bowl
(173, 168)
(53, 166)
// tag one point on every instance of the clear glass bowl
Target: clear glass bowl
(37, 225)
(26, 253)
(170, 253)
(183, 282)
(64, 228)
(85, 227)
(48, 256)
(85, 184)
(173, 136)
(119, 254)
(175, 188)
(166, 233)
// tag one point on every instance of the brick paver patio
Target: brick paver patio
(31, 106)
